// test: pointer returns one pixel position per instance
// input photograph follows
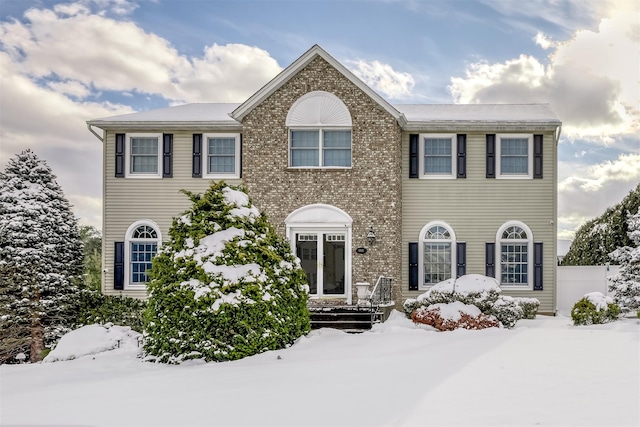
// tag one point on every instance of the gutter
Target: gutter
(101, 138)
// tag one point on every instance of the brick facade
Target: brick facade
(370, 191)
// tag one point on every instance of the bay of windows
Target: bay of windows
(320, 148)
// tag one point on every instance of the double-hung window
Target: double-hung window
(326, 148)
(144, 155)
(515, 156)
(221, 157)
(437, 156)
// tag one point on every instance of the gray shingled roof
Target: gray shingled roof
(415, 113)
(477, 112)
(202, 112)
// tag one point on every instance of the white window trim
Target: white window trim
(205, 156)
(421, 242)
(454, 153)
(499, 174)
(498, 255)
(127, 156)
(320, 130)
(128, 285)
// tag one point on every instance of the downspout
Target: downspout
(94, 132)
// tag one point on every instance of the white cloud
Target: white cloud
(383, 78)
(119, 56)
(543, 41)
(588, 82)
(588, 190)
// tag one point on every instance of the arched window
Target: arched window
(515, 251)
(141, 244)
(436, 252)
(319, 132)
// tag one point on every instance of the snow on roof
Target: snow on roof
(477, 112)
(200, 112)
(219, 113)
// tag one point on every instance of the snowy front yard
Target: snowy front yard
(542, 372)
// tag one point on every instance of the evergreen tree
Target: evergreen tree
(40, 259)
(225, 285)
(597, 238)
(92, 242)
(625, 286)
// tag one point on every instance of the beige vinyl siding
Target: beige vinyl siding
(476, 207)
(127, 200)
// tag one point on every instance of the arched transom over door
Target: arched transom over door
(321, 237)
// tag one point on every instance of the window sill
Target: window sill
(221, 176)
(516, 287)
(142, 176)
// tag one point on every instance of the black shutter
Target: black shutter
(462, 156)
(118, 266)
(120, 155)
(167, 155)
(537, 266)
(413, 156)
(197, 155)
(413, 266)
(491, 156)
(537, 156)
(490, 259)
(461, 259)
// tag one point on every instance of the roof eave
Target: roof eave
(168, 125)
(480, 125)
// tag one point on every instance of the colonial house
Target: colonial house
(361, 188)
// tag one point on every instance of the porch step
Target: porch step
(348, 319)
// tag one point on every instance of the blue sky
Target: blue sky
(63, 63)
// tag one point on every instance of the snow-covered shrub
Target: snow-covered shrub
(594, 308)
(454, 315)
(507, 310)
(480, 291)
(625, 286)
(225, 285)
(529, 306)
(40, 259)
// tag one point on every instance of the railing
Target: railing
(380, 295)
(381, 292)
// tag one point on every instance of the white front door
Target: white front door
(323, 257)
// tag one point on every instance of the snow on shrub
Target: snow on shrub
(454, 315)
(480, 291)
(507, 310)
(595, 308)
(225, 286)
(92, 339)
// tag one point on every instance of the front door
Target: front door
(323, 258)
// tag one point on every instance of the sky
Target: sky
(543, 372)
(63, 63)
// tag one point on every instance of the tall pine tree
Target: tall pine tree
(598, 237)
(40, 259)
(625, 286)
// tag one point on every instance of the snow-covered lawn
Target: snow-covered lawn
(542, 372)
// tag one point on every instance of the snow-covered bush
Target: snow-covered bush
(40, 259)
(225, 285)
(529, 306)
(454, 315)
(593, 309)
(625, 286)
(477, 290)
(507, 310)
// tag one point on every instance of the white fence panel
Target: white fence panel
(576, 281)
